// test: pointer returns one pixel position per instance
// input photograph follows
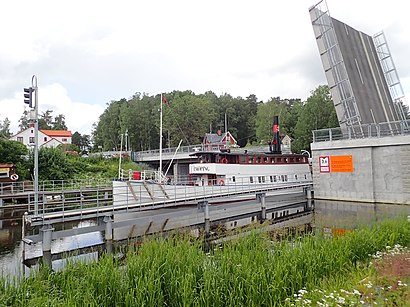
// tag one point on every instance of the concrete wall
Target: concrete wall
(381, 170)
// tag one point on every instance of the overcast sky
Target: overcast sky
(88, 53)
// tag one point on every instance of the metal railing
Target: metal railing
(133, 195)
(155, 152)
(363, 131)
(19, 187)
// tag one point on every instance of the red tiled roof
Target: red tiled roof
(57, 133)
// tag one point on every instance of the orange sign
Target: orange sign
(341, 164)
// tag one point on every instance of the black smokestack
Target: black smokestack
(275, 146)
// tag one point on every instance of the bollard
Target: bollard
(47, 231)
(108, 227)
(47, 259)
(207, 224)
(262, 199)
(206, 218)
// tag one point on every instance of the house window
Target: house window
(45, 139)
(64, 140)
(31, 139)
(32, 131)
(20, 139)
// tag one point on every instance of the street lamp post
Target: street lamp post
(35, 87)
(28, 98)
(305, 152)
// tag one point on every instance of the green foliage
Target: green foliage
(188, 118)
(5, 128)
(82, 142)
(318, 113)
(15, 153)
(54, 165)
(12, 151)
(249, 271)
(45, 121)
(285, 109)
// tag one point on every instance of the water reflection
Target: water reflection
(11, 249)
(350, 215)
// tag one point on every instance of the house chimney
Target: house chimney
(31, 124)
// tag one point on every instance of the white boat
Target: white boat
(226, 168)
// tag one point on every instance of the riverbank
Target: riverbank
(251, 271)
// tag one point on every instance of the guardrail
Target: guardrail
(362, 131)
(133, 195)
(11, 188)
(155, 152)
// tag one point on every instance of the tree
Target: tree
(54, 165)
(15, 153)
(266, 112)
(59, 123)
(188, 119)
(24, 120)
(318, 113)
(81, 141)
(45, 120)
(5, 128)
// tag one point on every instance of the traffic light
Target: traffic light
(28, 96)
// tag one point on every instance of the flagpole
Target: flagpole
(160, 141)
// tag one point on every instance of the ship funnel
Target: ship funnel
(275, 144)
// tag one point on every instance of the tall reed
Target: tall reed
(251, 271)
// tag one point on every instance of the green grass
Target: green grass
(250, 271)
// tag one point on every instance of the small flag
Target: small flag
(165, 100)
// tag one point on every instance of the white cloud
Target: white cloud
(99, 51)
(79, 116)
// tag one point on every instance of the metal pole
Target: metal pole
(160, 140)
(34, 85)
(119, 164)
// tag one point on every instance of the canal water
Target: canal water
(327, 215)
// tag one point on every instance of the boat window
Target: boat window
(282, 177)
(242, 159)
(260, 179)
(271, 178)
(296, 177)
(251, 179)
(266, 160)
(274, 178)
(263, 179)
(292, 160)
(305, 176)
(233, 178)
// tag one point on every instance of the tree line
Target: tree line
(189, 116)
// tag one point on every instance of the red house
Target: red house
(218, 141)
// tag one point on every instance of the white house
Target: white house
(46, 138)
